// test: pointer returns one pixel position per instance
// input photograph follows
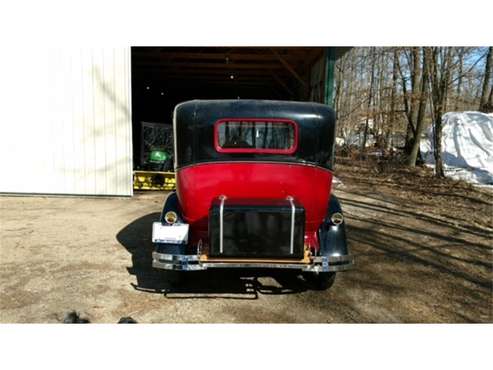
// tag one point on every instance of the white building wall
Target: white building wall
(67, 127)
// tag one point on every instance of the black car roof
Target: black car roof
(194, 130)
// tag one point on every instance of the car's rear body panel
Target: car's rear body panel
(198, 185)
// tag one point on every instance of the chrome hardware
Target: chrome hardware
(293, 211)
(221, 213)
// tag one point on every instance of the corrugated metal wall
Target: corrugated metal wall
(69, 127)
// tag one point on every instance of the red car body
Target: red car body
(198, 185)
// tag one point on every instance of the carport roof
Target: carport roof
(246, 65)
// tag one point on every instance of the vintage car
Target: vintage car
(253, 190)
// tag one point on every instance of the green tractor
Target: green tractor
(159, 160)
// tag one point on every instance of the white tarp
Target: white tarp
(467, 146)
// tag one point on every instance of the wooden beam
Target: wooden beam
(283, 84)
(185, 73)
(289, 68)
(222, 65)
(214, 56)
(314, 57)
(268, 79)
(207, 56)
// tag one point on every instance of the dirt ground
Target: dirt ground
(423, 253)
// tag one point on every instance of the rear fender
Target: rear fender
(171, 204)
(333, 237)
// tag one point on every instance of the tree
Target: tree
(485, 101)
(423, 95)
(460, 55)
(410, 97)
(392, 115)
(386, 85)
(370, 96)
(439, 75)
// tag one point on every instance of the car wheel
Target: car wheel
(320, 280)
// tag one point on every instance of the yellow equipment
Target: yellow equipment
(154, 180)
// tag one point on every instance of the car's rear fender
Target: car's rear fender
(333, 241)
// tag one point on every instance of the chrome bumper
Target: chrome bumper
(182, 262)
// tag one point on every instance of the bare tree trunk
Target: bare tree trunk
(350, 88)
(423, 94)
(459, 79)
(407, 105)
(415, 77)
(390, 129)
(370, 96)
(447, 76)
(486, 82)
(439, 77)
(413, 113)
(437, 145)
(436, 113)
(381, 101)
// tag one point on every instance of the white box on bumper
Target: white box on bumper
(173, 234)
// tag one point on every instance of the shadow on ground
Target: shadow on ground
(403, 242)
(227, 283)
(410, 266)
(402, 252)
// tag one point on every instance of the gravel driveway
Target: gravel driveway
(93, 255)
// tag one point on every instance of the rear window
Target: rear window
(256, 136)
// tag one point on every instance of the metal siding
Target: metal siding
(69, 127)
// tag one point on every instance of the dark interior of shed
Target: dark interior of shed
(165, 76)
